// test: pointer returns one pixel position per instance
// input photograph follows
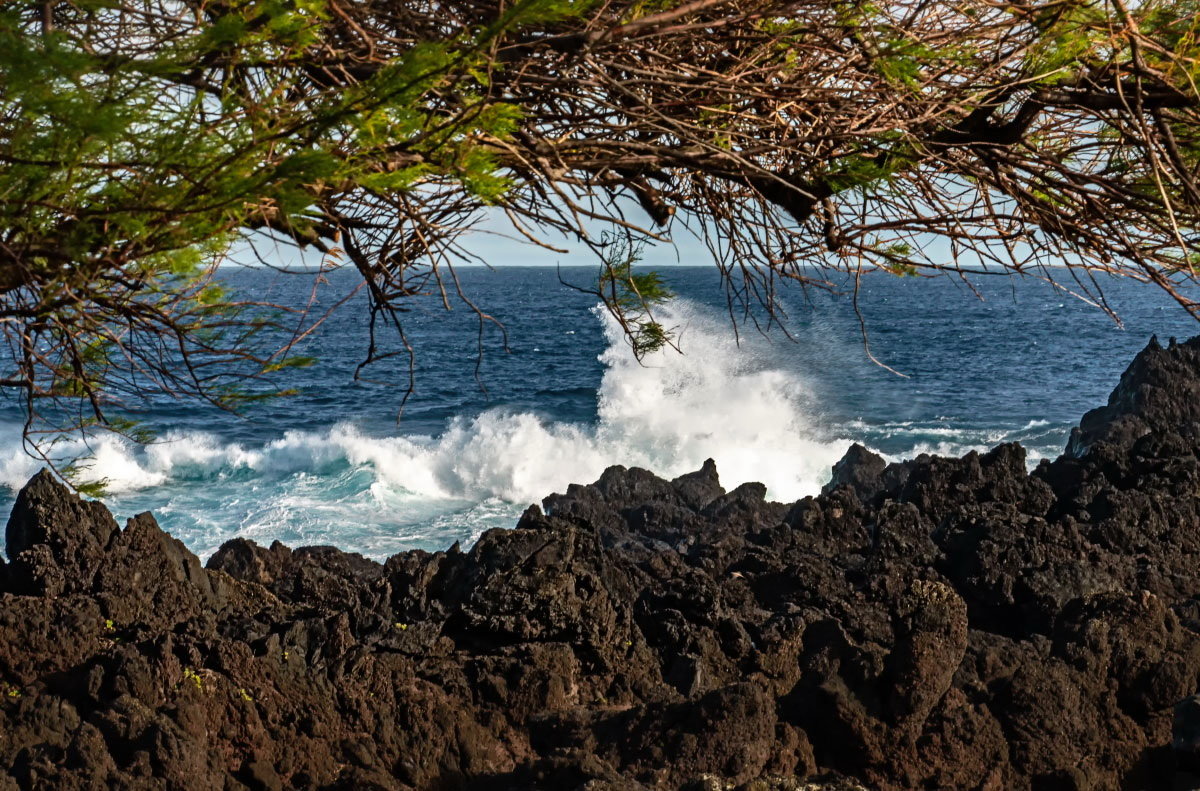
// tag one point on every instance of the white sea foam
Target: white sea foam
(668, 413)
(381, 494)
(956, 449)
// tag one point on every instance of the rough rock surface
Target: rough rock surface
(941, 623)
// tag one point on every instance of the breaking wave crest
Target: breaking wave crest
(380, 494)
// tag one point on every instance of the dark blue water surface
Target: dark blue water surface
(499, 419)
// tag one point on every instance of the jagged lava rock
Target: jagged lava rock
(936, 623)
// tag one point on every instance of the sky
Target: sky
(494, 241)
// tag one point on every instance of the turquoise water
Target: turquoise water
(483, 436)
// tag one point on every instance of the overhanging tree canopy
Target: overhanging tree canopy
(139, 140)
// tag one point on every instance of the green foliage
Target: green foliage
(1070, 33)
(86, 136)
(94, 489)
(901, 269)
(139, 145)
(895, 258)
(633, 295)
(862, 170)
(895, 54)
(73, 472)
(901, 60)
(293, 361)
(127, 174)
(1176, 25)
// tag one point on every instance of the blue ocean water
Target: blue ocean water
(498, 420)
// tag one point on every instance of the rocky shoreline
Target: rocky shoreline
(939, 623)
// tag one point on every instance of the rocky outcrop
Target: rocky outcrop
(940, 623)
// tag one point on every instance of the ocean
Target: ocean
(500, 419)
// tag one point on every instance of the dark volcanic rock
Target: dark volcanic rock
(862, 471)
(1158, 393)
(56, 544)
(938, 623)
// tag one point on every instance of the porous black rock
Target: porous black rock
(935, 623)
(1159, 393)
